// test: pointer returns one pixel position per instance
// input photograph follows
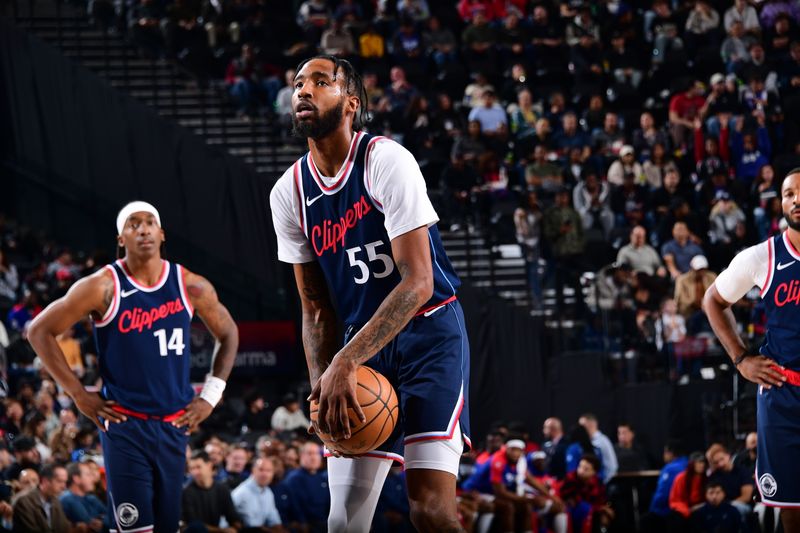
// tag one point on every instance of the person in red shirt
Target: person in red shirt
(683, 109)
(585, 496)
(688, 491)
(494, 441)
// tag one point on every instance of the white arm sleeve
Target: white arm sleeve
(749, 268)
(395, 181)
(293, 246)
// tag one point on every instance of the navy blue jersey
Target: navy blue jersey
(143, 342)
(345, 227)
(781, 294)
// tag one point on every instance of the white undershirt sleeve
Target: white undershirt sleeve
(748, 269)
(293, 246)
(395, 181)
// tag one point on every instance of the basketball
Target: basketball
(378, 400)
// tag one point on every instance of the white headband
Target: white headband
(135, 207)
(515, 443)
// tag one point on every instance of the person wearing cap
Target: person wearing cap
(512, 483)
(727, 222)
(720, 107)
(289, 416)
(772, 266)
(689, 290)
(626, 164)
(142, 307)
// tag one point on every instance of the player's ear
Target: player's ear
(120, 242)
(353, 103)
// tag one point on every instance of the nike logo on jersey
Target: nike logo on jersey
(781, 266)
(125, 294)
(310, 201)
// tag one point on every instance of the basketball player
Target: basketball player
(142, 307)
(774, 267)
(353, 217)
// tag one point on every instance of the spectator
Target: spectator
(26, 455)
(81, 506)
(688, 491)
(492, 118)
(308, 490)
(774, 8)
(543, 175)
(205, 501)
(613, 291)
(626, 164)
(689, 291)
(630, 455)
(734, 49)
(371, 45)
(683, 109)
(337, 41)
(608, 141)
(758, 66)
(580, 444)
(736, 483)
(720, 107)
(647, 136)
(494, 441)
(528, 223)
(289, 416)
(701, 24)
(254, 499)
(741, 11)
(746, 458)
(641, 256)
(523, 116)
(458, 184)
(555, 447)
(716, 514)
(563, 230)
(478, 40)
(679, 252)
(400, 92)
(592, 198)
(256, 418)
(313, 17)
(665, 34)
(629, 201)
(585, 496)
(28, 480)
(9, 284)
(248, 83)
(236, 466)
(623, 62)
(408, 48)
(571, 136)
(39, 510)
(675, 462)
(727, 220)
(750, 152)
(607, 456)
(440, 41)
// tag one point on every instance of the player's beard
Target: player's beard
(792, 224)
(320, 126)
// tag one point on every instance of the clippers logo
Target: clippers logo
(768, 485)
(127, 514)
(330, 234)
(788, 293)
(139, 319)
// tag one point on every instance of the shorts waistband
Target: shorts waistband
(792, 376)
(435, 306)
(143, 416)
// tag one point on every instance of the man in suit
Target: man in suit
(39, 511)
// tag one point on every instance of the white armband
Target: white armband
(212, 390)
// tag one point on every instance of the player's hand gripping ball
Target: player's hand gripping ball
(378, 401)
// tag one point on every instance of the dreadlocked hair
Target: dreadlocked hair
(353, 84)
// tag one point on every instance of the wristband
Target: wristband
(738, 360)
(212, 390)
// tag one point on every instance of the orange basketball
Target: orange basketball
(378, 400)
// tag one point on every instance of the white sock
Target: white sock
(484, 523)
(560, 523)
(355, 486)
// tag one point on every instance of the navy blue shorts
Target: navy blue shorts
(145, 462)
(428, 366)
(778, 428)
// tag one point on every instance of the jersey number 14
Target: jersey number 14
(373, 256)
(175, 342)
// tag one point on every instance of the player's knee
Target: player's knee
(432, 514)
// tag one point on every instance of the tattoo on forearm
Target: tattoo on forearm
(319, 320)
(393, 314)
(314, 285)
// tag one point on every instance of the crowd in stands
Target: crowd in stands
(644, 142)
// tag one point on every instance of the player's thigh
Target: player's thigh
(129, 475)
(777, 470)
(433, 376)
(169, 465)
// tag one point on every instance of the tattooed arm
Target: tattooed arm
(336, 389)
(218, 320)
(92, 295)
(319, 318)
